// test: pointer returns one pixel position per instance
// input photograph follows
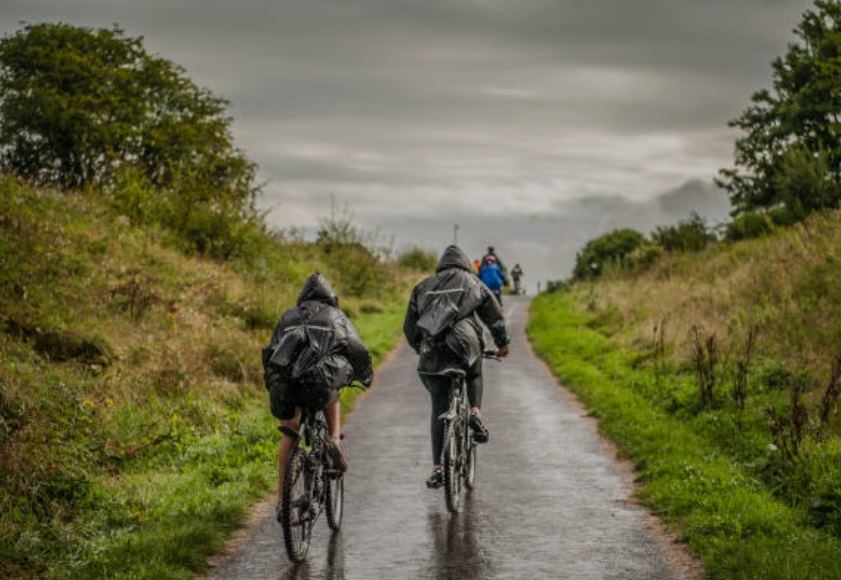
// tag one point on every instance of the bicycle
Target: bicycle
(310, 484)
(459, 453)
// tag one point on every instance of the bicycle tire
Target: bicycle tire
(335, 487)
(296, 518)
(453, 475)
(470, 468)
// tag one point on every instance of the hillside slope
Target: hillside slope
(134, 430)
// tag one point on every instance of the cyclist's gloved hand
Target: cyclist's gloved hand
(502, 352)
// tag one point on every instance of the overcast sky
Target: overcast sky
(535, 125)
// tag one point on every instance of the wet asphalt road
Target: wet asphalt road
(549, 502)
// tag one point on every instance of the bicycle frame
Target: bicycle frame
(310, 484)
(459, 453)
(459, 448)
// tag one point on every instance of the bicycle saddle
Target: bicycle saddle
(454, 373)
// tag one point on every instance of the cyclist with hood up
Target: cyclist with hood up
(313, 353)
(443, 324)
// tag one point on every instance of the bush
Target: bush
(691, 235)
(557, 286)
(419, 259)
(606, 252)
(217, 231)
(752, 224)
(644, 256)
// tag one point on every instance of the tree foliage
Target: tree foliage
(795, 124)
(608, 251)
(78, 104)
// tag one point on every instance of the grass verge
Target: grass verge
(719, 505)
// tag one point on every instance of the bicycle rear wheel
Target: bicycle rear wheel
(298, 496)
(335, 500)
(453, 474)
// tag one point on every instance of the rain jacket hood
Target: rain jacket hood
(454, 257)
(317, 288)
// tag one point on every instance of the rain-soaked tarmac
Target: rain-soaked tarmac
(550, 500)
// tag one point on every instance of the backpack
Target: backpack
(438, 312)
(303, 358)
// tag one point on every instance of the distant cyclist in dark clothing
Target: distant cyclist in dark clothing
(443, 325)
(492, 254)
(494, 278)
(517, 276)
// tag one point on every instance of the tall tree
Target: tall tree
(77, 103)
(796, 123)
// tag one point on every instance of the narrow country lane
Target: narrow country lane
(550, 501)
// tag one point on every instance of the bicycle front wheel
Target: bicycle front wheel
(296, 519)
(453, 474)
(335, 500)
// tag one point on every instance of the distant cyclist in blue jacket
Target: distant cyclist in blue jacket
(492, 275)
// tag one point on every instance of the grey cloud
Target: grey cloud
(487, 113)
(703, 198)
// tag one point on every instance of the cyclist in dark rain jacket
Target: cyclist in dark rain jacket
(443, 325)
(313, 353)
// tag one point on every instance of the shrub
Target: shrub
(691, 235)
(557, 286)
(419, 259)
(751, 224)
(605, 253)
(644, 256)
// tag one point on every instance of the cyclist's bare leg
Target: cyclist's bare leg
(333, 414)
(287, 444)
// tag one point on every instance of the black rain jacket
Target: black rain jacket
(314, 345)
(444, 316)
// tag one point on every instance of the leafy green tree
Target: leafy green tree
(608, 251)
(804, 184)
(798, 120)
(77, 105)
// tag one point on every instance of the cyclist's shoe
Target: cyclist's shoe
(435, 480)
(480, 432)
(336, 452)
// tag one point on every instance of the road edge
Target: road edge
(679, 558)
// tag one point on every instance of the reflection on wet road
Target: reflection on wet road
(549, 502)
(456, 553)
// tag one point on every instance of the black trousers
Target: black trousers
(439, 393)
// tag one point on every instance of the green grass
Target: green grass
(134, 427)
(691, 476)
